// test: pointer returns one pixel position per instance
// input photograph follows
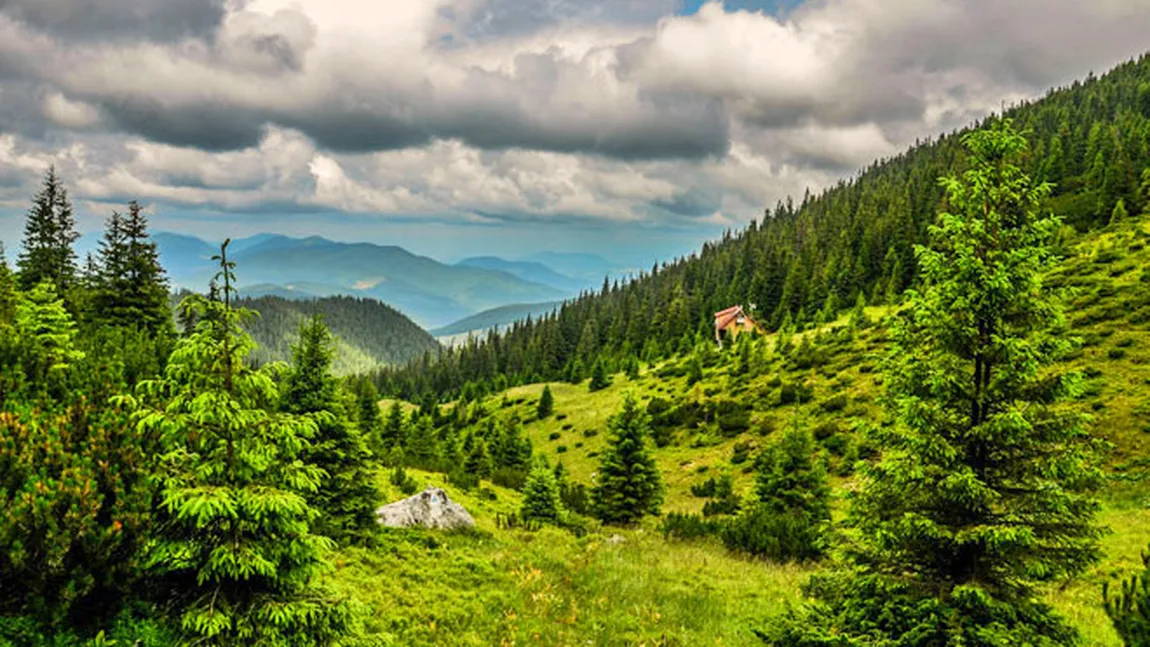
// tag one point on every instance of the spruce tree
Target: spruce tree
(1119, 213)
(133, 291)
(347, 496)
(477, 461)
(7, 291)
(628, 485)
(983, 488)
(49, 233)
(599, 378)
(235, 548)
(541, 500)
(546, 403)
(790, 478)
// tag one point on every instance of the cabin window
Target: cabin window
(741, 320)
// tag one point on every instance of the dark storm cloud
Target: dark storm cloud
(162, 20)
(207, 126)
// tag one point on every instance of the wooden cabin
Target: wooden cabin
(732, 322)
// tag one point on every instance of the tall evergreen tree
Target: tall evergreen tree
(7, 290)
(235, 549)
(133, 291)
(49, 233)
(983, 487)
(348, 495)
(628, 485)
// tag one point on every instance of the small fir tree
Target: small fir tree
(541, 501)
(1119, 213)
(546, 403)
(599, 378)
(628, 484)
(1129, 607)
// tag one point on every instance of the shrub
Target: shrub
(463, 479)
(836, 403)
(689, 526)
(555, 435)
(763, 532)
(590, 433)
(1116, 353)
(740, 453)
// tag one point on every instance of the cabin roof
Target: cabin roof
(723, 318)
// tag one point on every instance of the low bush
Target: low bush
(762, 532)
(689, 526)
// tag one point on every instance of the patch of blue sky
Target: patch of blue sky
(772, 7)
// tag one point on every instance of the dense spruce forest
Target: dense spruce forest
(366, 333)
(804, 262)
(940, 441)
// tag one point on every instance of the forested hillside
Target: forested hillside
(366, 332)
(805, 261)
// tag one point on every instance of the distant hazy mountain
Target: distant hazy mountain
(500, 316)
(586, 267)
(428, 291)
(529, 271)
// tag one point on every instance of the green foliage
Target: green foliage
(400, 479)
(628, 484)
(677, 525)
(46, 332)
(347, 495)
(599, 378)
(780, 537)
(982, 489)
(541, 500)
(235, 548)
(546, 403)
(1129, 607)
(75, 504)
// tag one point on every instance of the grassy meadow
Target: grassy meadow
(633, 587)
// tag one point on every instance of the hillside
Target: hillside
(496, 317)
(828, 381)
(533, 271)
(367, 333)
(430, 292)
(809, 260)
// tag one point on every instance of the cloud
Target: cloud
(491, 110)
(164, 20)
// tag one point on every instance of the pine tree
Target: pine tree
(477, 461)
(235, 548)
(1119, 213)
(859, 319)
(982, 490)
(46, 331)
(393, 431)
(49, 234)
(694, 370)
(628, 484)
(7, 291)
(541, 500)
(421, 448)
(546, 403)
(132, 291)
(599, 378)
(788, 478)
(347, 496)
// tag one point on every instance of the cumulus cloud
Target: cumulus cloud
(481, 110)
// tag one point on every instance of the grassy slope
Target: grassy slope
(514, 587)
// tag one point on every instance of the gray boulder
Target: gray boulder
(430, 508)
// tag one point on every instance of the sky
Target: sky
(628, 128)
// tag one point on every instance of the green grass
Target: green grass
(509, 587)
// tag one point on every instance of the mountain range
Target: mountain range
(432, 293)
